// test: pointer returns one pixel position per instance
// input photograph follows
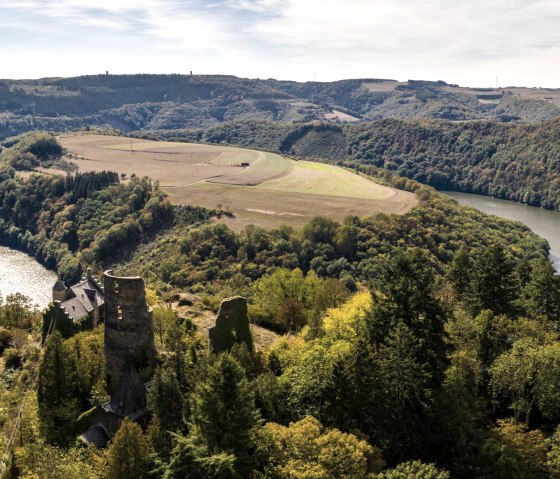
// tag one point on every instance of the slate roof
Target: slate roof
(86, 298)
(75, 309)
(88, 293)
(59, 286)
(96, 435)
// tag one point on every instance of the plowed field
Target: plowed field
(257, 187)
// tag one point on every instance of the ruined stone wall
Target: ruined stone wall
(232, 326)
(129, 338)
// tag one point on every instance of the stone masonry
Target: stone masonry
(232, 326)
(128, 329)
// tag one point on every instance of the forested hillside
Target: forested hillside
(147, 102)
(415, 346)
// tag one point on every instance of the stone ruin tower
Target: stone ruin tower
(232, 326)
(129, 336)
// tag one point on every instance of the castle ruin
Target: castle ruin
(232, 326)
(129, 335)
(129, 355)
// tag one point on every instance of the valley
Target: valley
(255, 239)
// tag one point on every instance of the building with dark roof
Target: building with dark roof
(83, 301)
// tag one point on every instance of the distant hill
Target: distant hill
(156, 102)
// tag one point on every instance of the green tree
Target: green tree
(128, 453)
(493, 285)
(529, 375)
(405, 398)
(284, 295)
(320, 230)
(221, 442)
(346, 240)
(353, 395)
(17, 311)
(459, 272)
(55, 318)
(181, 345)
(164, 317)
(553, 454)
(414, 470)
(306, 449)
(56, 392)
(167, 404)
(88, 349)
(541, 294)
(405, 291)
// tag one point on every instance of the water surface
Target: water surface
(545, 223)
(20, 273)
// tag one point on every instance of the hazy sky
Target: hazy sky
(467, 42)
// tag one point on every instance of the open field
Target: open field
(268, 190)
(323, 179)
(383, 86)
(340, 115)
(545, 94)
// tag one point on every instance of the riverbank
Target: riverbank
(544, 223)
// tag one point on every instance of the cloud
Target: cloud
(463, 42)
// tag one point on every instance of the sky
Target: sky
(468, 42)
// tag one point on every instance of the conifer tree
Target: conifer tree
(56, 393)
(459, 272)
(221, 431)
(405, 291)
(167, 404)
(541, 294)
(128, 453)
(493, 285)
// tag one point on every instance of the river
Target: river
(20, 273)
(545, 223)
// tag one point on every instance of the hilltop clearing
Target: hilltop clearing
(514, 161)
(256, 187)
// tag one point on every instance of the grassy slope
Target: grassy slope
(211, 175)
(323, 179)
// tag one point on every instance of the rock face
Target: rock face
(232, 326)
(129, 336)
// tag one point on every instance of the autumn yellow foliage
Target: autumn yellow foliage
(307, 450)
(342, 323)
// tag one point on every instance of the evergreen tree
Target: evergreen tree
(221, 431)
(406, 398)
(56, 394)
(177, 343)
(56, 319)
(352, 398)
(405, 291)
(541, 294)
(167, 404)
(493, 284)
(459, 272)
(128, 453)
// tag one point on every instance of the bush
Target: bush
(5, 339)
(13, 358)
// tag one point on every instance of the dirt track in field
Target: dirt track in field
(268, 190)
